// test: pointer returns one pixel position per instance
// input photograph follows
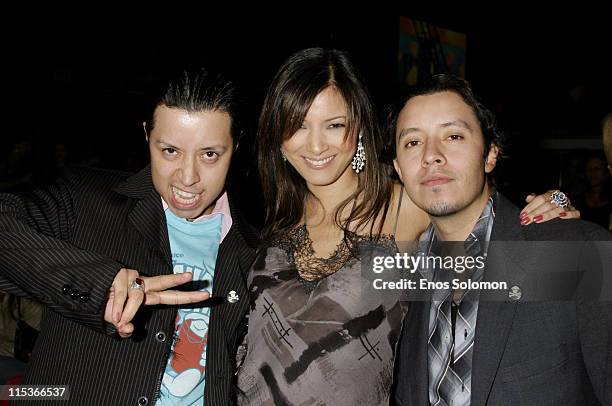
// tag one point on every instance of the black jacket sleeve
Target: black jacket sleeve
(38, 260)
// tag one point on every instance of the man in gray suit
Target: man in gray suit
(544, 335)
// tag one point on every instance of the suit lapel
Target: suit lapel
(235, 255)
(496, 310)
(234, 258)
(413, 351)
(242, 240)
(147, 215)
(421, 376)
(228, 271)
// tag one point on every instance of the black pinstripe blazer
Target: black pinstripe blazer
(64, 245)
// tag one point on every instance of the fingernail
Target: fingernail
(525, 220)
(539, 218)
(563, 214)
(523, 215)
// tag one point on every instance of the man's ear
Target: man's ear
(491, 160)
(398, 170)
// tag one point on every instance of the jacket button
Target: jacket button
(84, 297)
(74, 294)
(143, 400)
(160, 336)
(66, 289)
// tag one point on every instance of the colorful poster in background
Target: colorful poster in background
(425, 49)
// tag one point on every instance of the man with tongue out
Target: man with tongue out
(100, 248)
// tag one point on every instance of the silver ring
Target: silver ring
(558, 198)
(138, 283)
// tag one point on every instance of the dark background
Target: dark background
(76, 88)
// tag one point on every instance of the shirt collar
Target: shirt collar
(221, 207)
(480, 233)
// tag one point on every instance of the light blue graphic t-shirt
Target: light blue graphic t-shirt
(194, 247)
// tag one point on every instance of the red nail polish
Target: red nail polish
(538, 218)
(523, 215)
(524, 220)
(563, 214)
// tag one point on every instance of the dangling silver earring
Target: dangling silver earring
(283, 155)
(144, 127)
(359, 158)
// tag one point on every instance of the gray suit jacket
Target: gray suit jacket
(63, 246)
(527, 351)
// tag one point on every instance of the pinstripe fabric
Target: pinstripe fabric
(80, 232)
